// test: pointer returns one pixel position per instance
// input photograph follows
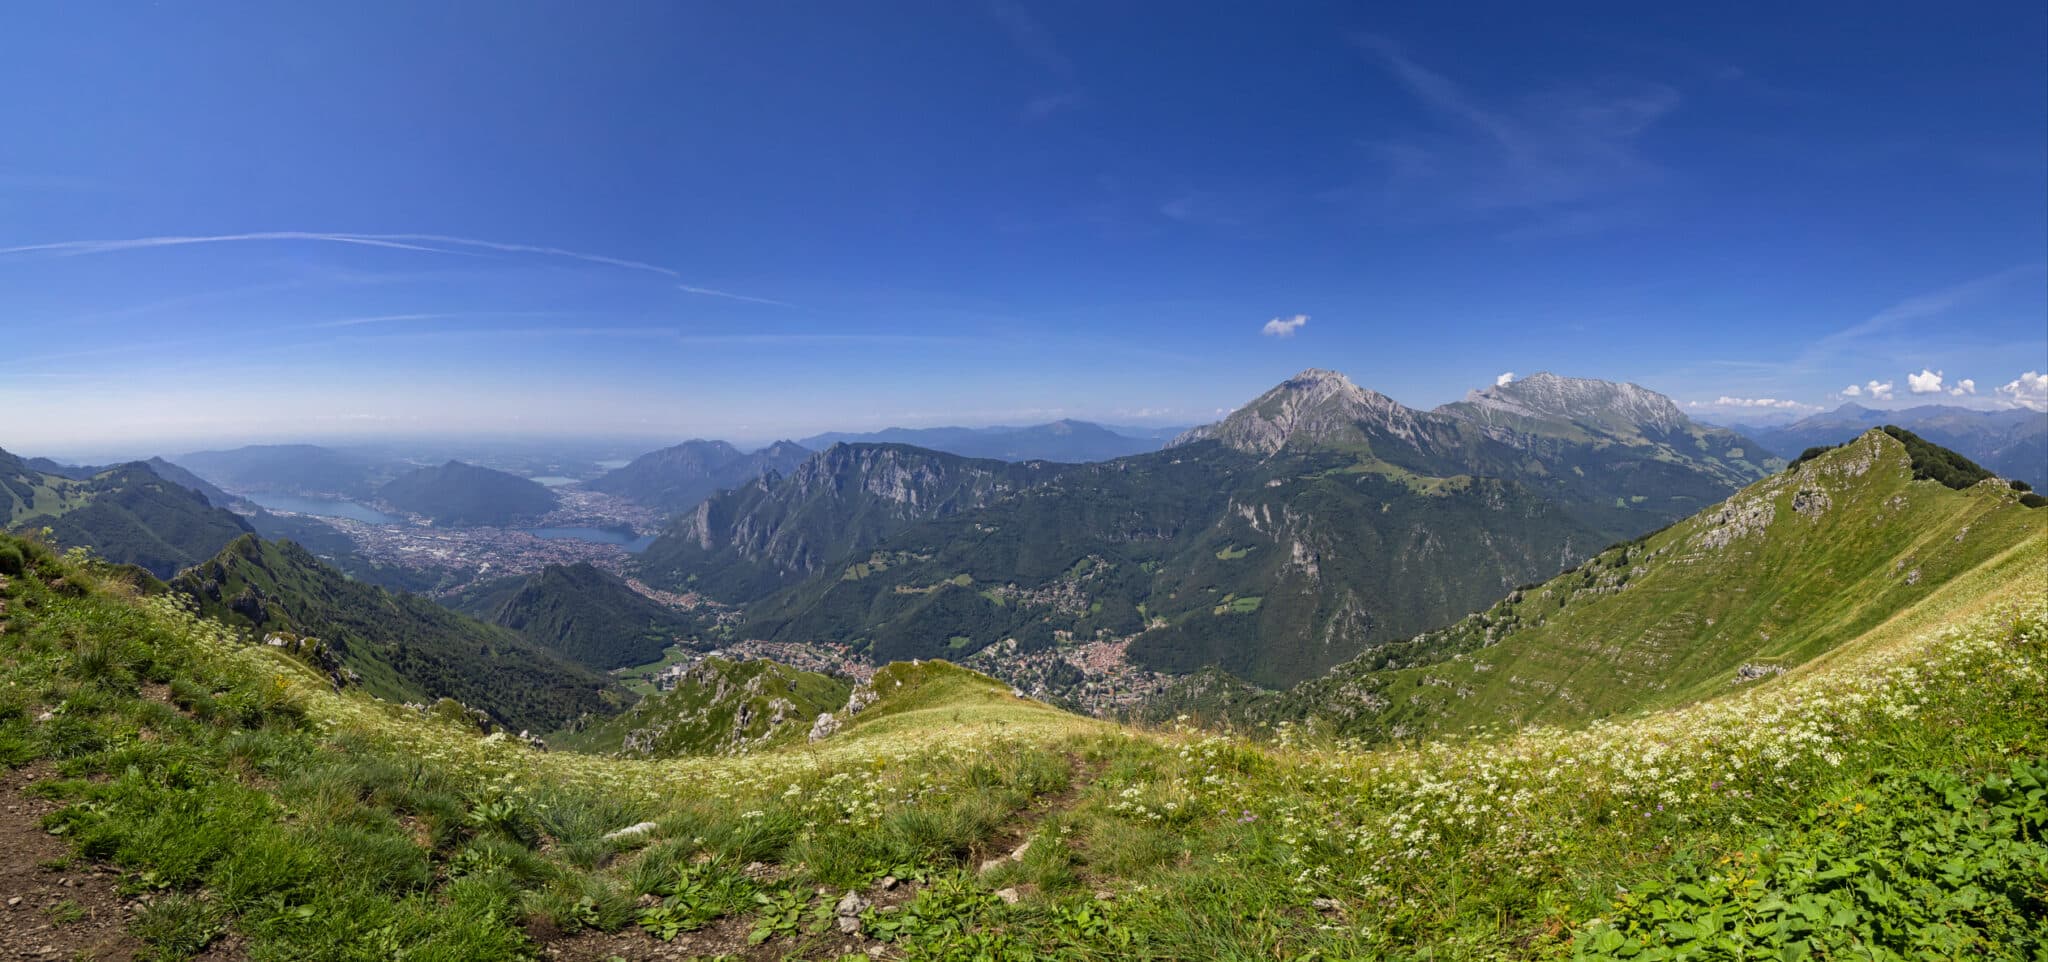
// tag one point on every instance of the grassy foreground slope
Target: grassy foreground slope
(1883, 801)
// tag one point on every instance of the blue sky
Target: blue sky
(224, 221)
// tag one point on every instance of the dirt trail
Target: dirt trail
(49, 912)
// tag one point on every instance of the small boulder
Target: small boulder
(631, 831)
(1009, 896)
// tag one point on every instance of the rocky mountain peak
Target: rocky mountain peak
(1311, 408)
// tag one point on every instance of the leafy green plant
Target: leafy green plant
(1919, 864)
(701, 894)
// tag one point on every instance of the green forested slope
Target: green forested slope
(580, 612)
(404, 648)
(464, 494)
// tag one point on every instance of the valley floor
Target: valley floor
(1888, 800)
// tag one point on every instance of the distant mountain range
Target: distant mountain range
(464, 494)
(1360, 520)
(2013, 443)
(305, 469)
(128, 513)
(673, 479)
(1067, 441)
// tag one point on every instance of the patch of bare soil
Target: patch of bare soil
(51, 905)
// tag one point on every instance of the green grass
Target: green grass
(317, 824)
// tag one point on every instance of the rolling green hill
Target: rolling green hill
(464, 494)
(717, 707)
(579, 612)
(127, 513)
(401, 647)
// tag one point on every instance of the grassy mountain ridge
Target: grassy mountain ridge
(2013, 443)
(464, 494)
(577, 611)
(1783, 573)
(403, 647)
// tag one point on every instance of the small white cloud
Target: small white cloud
(1879, 390)
(1964, 386)
(1284, 326)
(2029, 390)
(1504, 379)
(1925, 382)
(1853, 390)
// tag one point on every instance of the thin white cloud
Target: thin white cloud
(1925, 382)
(1284, 326)
(709, 292)
(1879, 390)
(1570, 157)
(2029, 390)
(1853, 390)
(423, 243)
(1504, 379)
(378, 319)
(1919, 307)
(1964, 386)
(1725, 401)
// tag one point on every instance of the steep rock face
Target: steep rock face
(1548, 403)
(775, 530)
(1314, 408)
(674, 479)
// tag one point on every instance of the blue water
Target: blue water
(552, 480)
(632, 543)
(324, 508)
